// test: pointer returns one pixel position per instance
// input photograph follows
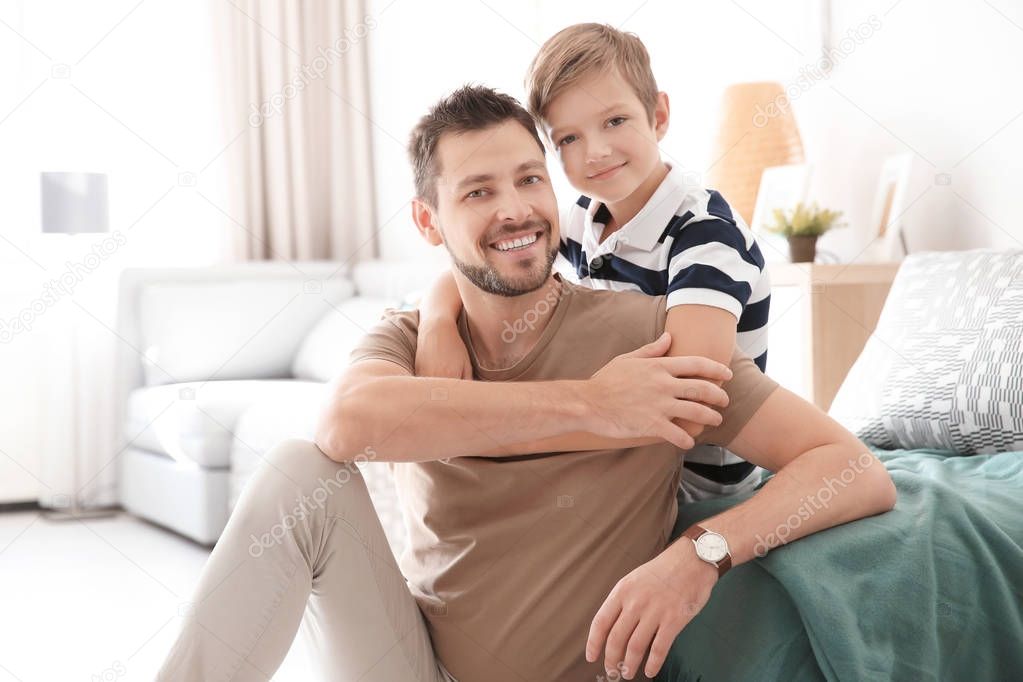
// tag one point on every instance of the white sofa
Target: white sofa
(221, 363)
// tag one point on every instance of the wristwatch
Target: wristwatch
(711, 547)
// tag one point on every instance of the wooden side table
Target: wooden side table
(828, 312)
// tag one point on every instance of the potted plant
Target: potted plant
(802, 226)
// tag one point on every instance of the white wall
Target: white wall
(942, 80)
(129, 92)
(124, 88)
(419, 52)
(937, 78)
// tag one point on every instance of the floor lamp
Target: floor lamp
(74, 203)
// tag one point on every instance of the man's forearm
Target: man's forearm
(408, 419)
(827, 486)
(574, 441)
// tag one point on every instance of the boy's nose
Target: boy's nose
(597, 152)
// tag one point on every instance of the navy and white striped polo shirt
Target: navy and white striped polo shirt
(685, 242)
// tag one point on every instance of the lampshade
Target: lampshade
(74, 203)
(756, 131)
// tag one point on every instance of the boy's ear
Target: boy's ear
(662, 113)
(425, 218)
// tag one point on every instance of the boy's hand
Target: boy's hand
(640, 394)
(441, 353)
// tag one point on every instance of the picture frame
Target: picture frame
(887, 229)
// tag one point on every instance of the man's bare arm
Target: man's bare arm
(696, 330)
(575, 441)
(811, 453)
(824, 477)
(406, 418)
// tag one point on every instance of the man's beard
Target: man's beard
(487, 277)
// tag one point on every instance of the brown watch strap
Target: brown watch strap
(696, 530)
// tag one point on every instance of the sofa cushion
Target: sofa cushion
(189, 499)
(268, 422)
(944, 367)
(324, 351)
(278, 417)
(250, 329)
(395, 280)
(195, 422)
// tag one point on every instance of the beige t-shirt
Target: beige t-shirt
(510, 558)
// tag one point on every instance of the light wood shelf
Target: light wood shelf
(839, 305)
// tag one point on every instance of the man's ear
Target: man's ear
(425, 219)
(662, 113)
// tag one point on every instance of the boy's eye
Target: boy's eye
(616, 121)
(567, 139)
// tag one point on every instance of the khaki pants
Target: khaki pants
(303, 547)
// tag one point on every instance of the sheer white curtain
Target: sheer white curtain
(296, 94)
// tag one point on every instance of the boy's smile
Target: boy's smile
(608, 173)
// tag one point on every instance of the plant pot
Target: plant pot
(802, 249)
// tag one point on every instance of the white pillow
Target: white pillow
(395, 279)
(944, 368)
(247, 329)
(324, 352)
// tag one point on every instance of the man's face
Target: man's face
(605, 139)
(496, 210)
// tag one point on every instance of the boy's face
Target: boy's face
(604, 138)
(493, 188)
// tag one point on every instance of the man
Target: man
(540, 497)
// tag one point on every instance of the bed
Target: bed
(932, 590)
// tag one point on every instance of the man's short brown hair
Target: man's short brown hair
(578, 51)
(470, 108)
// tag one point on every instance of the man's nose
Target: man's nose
(513, 208)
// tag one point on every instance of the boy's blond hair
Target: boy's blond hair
(581, 50)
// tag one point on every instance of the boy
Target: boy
(639, 225)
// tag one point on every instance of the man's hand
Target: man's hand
(441, 353)
(639, 394)
(653, 603)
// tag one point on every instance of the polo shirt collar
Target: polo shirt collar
(646, 228)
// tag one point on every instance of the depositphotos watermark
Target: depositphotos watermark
(116, 671)
(314, 70)
(816, 71)
(74, 273)
(615, 675)
(307, 503)
(813, 503)
(533, 315)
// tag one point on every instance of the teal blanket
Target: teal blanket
(932, 590)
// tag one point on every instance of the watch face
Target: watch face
(711, 547)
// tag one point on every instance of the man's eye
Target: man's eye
(567, 139)
(531, 180)
(616, 121)
(475, 194)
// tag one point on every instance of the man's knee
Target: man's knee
(296, 454)
(301, 466)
